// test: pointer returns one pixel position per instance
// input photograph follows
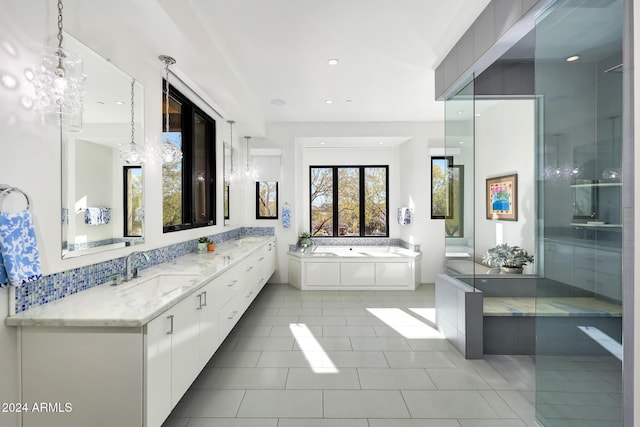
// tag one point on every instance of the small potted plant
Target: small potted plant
(304, 239)
(202, 245)
(510, 259)
(210, 245)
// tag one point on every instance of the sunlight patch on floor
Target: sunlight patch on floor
(405, 324)
(318, 359)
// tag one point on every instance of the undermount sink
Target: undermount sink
(160, 283)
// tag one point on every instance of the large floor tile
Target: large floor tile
(419, 359)
(282, 404)
(358, 359)
(364, 404)
(348, 331)
(323, 320)
(448, 404)
(206, 378)
(326, 343)
(307, 378)
(492, 423)
(300, 312)
(175, 422)
(457, 379)
(412, 423)
(282, 359)
(237, 359)
(380, 343)
(431, 344)
(250, 378)
(344, 311)
(269, 320)
(233, 422)
(285, 331)
(394, 379)
(264, 343)
(325, 422)
(209, 403)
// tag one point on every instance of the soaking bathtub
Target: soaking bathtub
(354, 268)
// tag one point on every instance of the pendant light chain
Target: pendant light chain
(231, 123)
(60, 37)
(166, 98)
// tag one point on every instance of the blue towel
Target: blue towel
(286, 217)
(19, 249)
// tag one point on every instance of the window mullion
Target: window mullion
(362, 200)
(335, 202)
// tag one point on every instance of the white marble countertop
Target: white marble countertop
(333, 252)
(136, 302)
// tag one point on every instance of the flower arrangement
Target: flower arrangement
(507, 256)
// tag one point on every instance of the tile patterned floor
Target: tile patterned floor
(352, 359)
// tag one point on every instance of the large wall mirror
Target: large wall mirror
(102, 203)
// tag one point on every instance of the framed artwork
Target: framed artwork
(441, 191)
(502, 197)
(266, 200)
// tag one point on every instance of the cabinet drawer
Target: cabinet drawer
(609, 262)
(224, 287)
(230, 313)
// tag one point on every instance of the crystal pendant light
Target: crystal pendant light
(132, 153)
(58, 81)
(232, 172)
(250, 174)
(169, 153)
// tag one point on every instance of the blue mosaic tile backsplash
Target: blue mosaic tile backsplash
(59, 285)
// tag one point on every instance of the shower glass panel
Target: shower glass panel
(578, 55)
(459, 146)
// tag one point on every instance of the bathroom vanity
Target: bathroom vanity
(125, 355)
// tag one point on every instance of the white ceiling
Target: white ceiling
(278, 49)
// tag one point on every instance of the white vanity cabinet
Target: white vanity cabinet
(172, 357)
(133, 369)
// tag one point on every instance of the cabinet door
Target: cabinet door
(322, 273)
(185, 357)
(357, 274)
(394, 274)
(158, 370)
(558, 262)
(209, 325)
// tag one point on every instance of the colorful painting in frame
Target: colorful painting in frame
(502, 197)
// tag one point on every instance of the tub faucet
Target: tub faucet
(131, 271)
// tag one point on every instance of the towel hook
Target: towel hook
(7, 189)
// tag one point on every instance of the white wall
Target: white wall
(501, 150)
(409, 181)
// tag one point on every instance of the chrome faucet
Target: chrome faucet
(131, 272)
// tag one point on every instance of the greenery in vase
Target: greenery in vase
(304, 238)
(204, 240)
(504, 255)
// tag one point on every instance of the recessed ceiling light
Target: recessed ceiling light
(477, 114)
(328, 101)
(573, 58)
(381, 143)
(461, 142)
(120, 102)
(460, 112)
(278, 101)
(332, 61)
(321, 142)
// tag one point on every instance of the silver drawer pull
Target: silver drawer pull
(232, 283)
(249, 294)
(205, 299)
(261, 258)
(170, 317)
(233, 314)
(250, 268)
(199, 302)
